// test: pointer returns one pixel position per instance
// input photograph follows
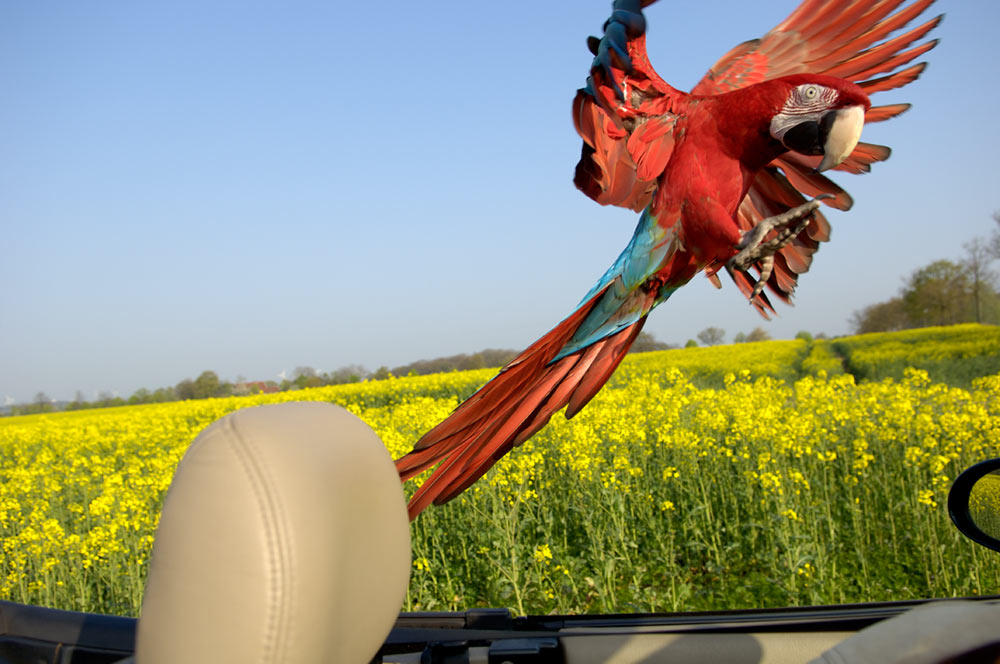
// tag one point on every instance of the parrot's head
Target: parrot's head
(819, 115)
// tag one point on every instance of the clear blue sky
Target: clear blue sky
(248, 187)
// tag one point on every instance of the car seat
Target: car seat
(283, 538)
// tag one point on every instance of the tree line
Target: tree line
(209, 385)
(945, 292)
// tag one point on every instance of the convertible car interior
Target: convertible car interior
(284, 538)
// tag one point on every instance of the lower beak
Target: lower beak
(842, 136)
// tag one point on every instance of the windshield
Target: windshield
(684, 486)
(212, 208)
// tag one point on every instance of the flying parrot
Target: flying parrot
(720, 176)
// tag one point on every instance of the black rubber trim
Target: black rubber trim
(958, 502)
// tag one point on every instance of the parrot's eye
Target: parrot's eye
(810, 92)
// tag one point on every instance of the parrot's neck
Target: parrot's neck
(742, 121)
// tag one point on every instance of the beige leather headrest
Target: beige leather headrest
(283, 538)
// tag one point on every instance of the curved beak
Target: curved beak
(843, 132)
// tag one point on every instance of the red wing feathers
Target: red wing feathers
(811, 184)
(626, 145)
(650, 145)
(893, 81)
(832, 37)
(882, 113)
(606, 171)
(603, 365)
(876, 61)
(512, 407)
(864, 35)
(772, 193)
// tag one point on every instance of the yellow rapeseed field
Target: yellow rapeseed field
(697, 479)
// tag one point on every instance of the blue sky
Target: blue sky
(249, 187)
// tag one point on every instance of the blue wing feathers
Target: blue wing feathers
(625, 301)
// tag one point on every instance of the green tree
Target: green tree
(979, 253)
(491, 357)
(78, 402)
(164, 394)
(646, 342)
(206, 385)
(758, 334)
(886, 316)
(185, 389)
(350, 374)
(937, 295)
(941, 293)
(712, 336)
(306, 377)
(42, 403)
(994, 241)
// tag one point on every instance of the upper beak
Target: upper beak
(842, 136)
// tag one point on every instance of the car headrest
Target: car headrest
(947, 631)
(283, 538)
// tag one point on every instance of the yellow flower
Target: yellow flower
(926, 497)
(543, 554)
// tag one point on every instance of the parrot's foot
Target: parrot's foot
(753, 249)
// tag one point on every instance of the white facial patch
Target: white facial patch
(805, 102)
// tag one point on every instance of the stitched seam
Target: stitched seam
(278, 568)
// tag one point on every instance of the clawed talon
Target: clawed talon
(753, 249)
(611, 51)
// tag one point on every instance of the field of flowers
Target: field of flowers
(741, 476)
(957, 354)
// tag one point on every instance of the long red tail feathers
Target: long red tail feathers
(511, 408)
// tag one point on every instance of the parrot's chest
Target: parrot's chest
(703, 189)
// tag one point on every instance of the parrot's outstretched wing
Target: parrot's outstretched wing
(849, 39)
(626, 115)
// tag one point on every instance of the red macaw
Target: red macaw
(720, 176)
